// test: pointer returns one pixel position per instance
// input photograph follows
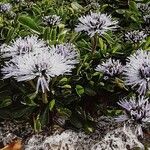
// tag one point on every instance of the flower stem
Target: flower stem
(44, 97)
(94, 43)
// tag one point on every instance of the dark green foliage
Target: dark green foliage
(79, 98)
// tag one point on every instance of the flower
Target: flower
(137, 71)
(144, 8)
(42, 65)
(146, 26)
(5, 7)
(136, 111)
(23, 45)
(51, 20)
(68, 51)
(110, 68)
(147, 30)
(146, 19)
(96, 23)
(135, 36)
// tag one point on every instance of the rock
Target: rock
(108, 135)
(119, 139)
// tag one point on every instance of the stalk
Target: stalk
(94, 43)
(44, 97)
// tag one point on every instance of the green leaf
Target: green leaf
(64, 112)
(5, 114)
(74, 120)
(76, 6)
(37, 124)
(120, 11)
(32, 96)
(108, 38)
(104, 6)
(120, 83)
(147, 44)
(63, 80)
(46, 34)
(22, 112)
(96, 74)
(51, 104)
(44, 117)
(116, 48)
(36, 10)
(10, 34)
(67, 86)
(101, 44)
(79, 90)
(53, 34)
(62, 35)
(90, 92)
(114, 112)
(6, 101)
(133, 6)
(71, 9)
(29, 23)
(29, 100)
(88, 128)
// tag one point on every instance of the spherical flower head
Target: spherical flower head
(137, 71)
(110, 68)
(146, 19)
(24, 45)
(5, 7)
(96, 23)
(146, 25)
(51, 20)
(136, 111)
(41, 66)
(147, 30)
(144, 8)
(135, 36)
(68, 51)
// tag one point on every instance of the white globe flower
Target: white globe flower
(96, 23)
(137, 71)
(23, 45)
(137, 111)
(42, 65)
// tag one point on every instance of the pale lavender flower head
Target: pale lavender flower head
(146, 19)
(22, 46)
(146, 27)
(41, 66)
(135, 36)
(137, 71)
(96, 23)
(51, 20)
(137, 111)
(68, 51)
(110, 68)
(144, 7)
(5, 7)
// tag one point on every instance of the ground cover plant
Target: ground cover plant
(69, 62)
